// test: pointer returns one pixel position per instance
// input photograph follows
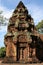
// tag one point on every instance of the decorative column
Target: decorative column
(21, 52)
(28, 52)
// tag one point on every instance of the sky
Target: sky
(35, 8)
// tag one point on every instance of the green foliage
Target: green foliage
(2, 19)
(2, 52)
(40, 25)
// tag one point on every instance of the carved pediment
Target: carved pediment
(22, 38)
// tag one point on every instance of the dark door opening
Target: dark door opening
(19, 54)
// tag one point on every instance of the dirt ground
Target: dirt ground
(20, 64)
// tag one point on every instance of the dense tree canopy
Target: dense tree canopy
(2, 52)
(39, 26)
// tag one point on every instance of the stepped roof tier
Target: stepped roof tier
(21, 22)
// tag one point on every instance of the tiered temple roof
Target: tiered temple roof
(21, 33)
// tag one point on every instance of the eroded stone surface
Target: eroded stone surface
(22, 37)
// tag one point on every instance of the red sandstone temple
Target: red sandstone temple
(23, 42)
